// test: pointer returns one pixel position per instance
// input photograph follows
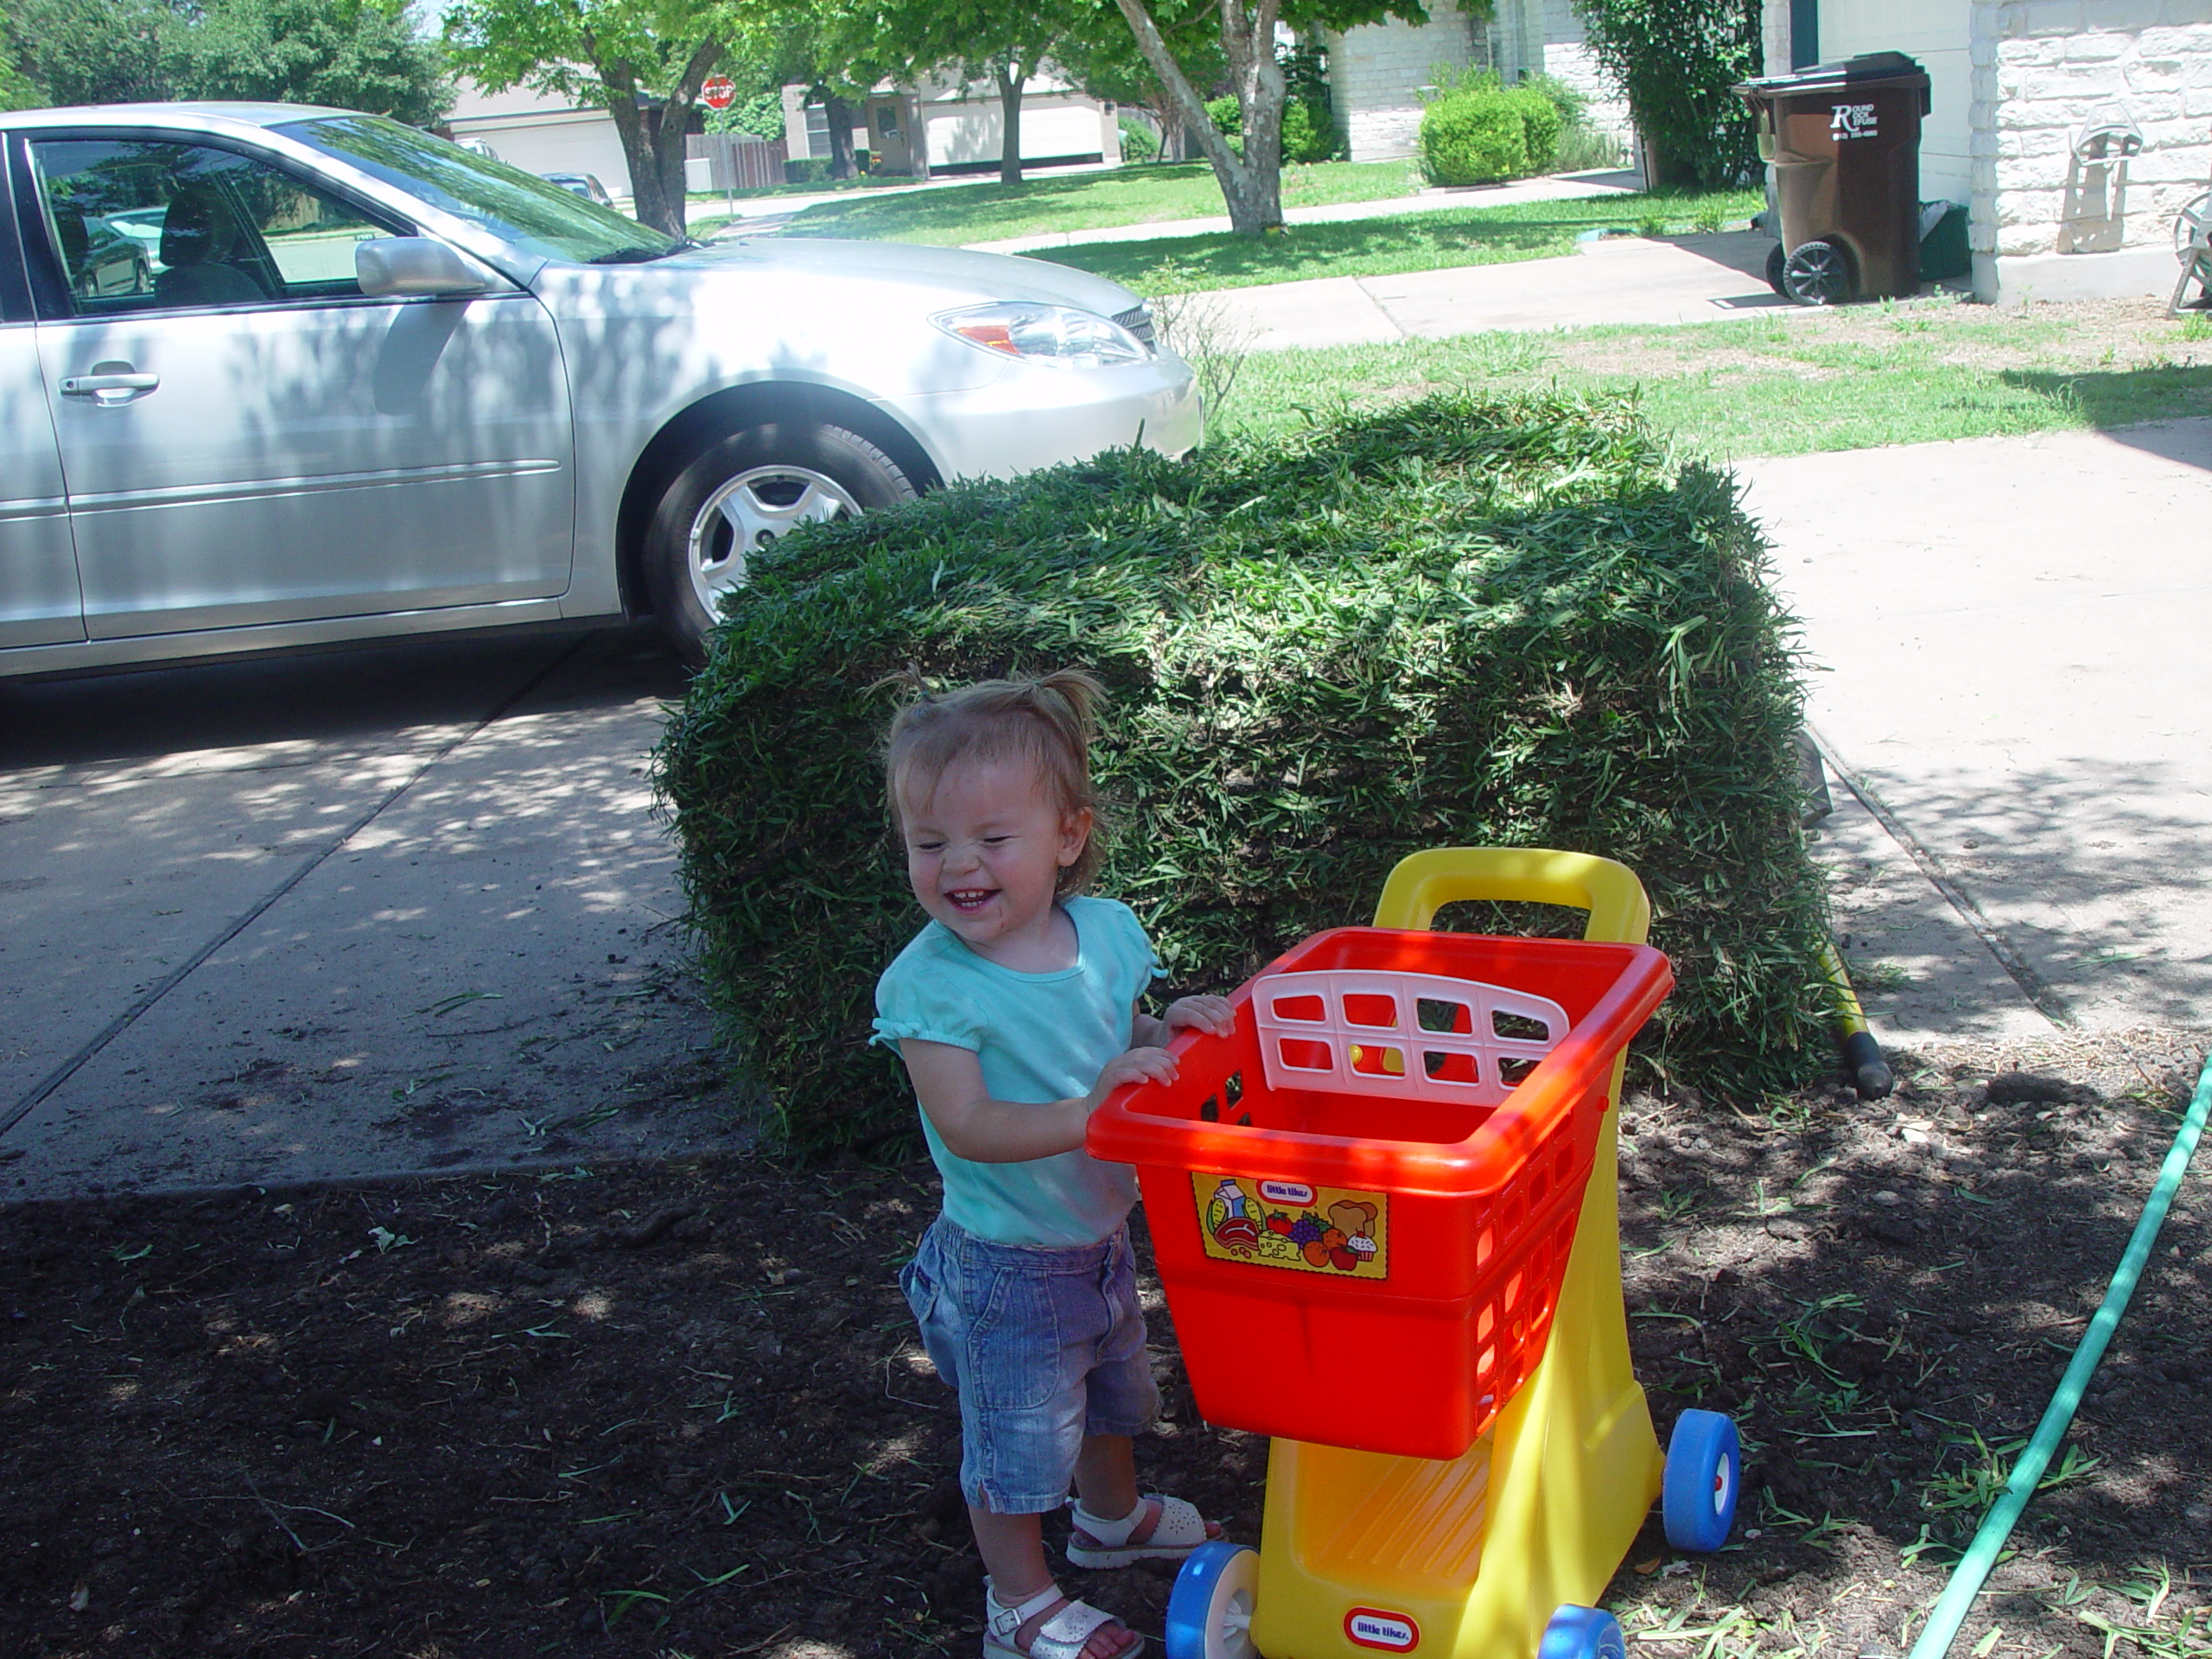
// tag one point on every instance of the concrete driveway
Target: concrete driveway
(339, 915)
(2014, 641)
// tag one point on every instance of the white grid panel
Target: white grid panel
(1337, 1032)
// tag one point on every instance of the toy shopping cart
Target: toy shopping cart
(1384, 1215)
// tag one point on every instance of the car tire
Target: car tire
(735, 496)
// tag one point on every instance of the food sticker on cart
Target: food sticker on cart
(1290, 1224)
(1370, 1627)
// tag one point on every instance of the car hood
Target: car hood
(947, 274)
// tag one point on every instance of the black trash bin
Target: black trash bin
(1845, 142)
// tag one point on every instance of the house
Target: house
(1378, 72)
(540, 132)
(961, 126)
(2073, 130)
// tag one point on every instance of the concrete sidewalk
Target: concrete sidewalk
(1629, 279)
(1565, 186)
(2010, 640)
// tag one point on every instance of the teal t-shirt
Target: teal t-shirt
(1039, 1037)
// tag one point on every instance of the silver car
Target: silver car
(361, 382)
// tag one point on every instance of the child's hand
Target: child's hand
(1213, 1014)
(1132, 1065)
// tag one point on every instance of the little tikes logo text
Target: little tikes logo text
(1370, 1627)
(1853, 121)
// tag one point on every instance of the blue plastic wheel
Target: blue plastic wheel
(1705, 1469)
(1210, 1612)
(1582, 1633)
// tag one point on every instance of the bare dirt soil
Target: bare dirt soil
(678, 1409)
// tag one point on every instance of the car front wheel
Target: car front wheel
(735, 497)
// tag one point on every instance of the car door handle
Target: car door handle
(92, 385)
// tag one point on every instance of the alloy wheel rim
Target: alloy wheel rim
(747, 513)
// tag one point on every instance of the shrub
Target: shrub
(1138, 142)
(1677, 60)
(1309, 133)
(1228, 117)
(1463, 621)
(1540, 126)
(1477, 137)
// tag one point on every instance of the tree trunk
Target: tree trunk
(648, 202)
(669, 127)
(1251, 186)
(652, 139)
(839, 115)
(1011, 80)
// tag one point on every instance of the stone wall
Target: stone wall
(2059, 213)
(1545, 37)
(1377, 70)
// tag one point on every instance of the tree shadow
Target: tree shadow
(318, 696)
(2116, 400)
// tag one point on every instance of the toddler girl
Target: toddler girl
(1016, 1013)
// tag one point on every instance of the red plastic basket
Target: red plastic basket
(1366, 1249)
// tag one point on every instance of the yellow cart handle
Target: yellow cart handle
(1425, 882)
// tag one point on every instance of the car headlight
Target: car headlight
(1058, 336)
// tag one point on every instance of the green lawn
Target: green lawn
(1848, 378)
(1384, 247)
(1084, 201)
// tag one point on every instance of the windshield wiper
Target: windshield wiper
(636, 256)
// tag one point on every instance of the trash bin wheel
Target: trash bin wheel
(1210, 1610)
(1817, 273)
(1776, 260)
(1704, 1472)
(1582, 1633)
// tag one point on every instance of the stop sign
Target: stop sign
(719, 92)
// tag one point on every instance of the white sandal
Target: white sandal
(1098, 1543)
(1064, 1636)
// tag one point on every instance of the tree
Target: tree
(351, 53)
(643, 61)
(15, 92)
(1677, 60)
(96, 51)
(1251, 183)
(1105, 63)
(310, 52)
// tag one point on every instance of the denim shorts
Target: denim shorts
(1044, 1345)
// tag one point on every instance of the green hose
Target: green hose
(1966, 1578)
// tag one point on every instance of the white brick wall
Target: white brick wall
(2043, 72)
(1376, 72)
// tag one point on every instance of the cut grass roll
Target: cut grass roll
(1461, 620)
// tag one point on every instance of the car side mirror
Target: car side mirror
(406, 265)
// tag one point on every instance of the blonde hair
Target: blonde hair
(1048, 721)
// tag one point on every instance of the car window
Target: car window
(531, 214)
(152, 225)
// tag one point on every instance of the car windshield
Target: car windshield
(529, 212)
